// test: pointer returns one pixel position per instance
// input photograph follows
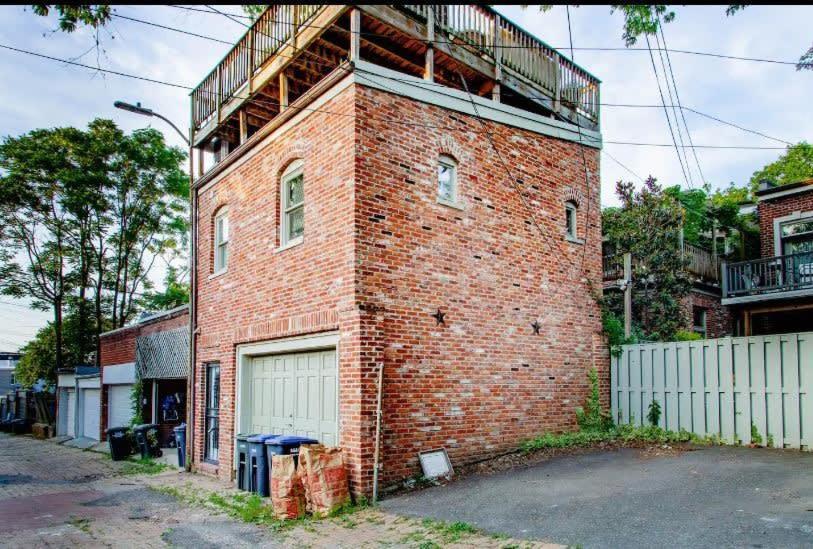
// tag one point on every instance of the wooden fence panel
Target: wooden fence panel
(721, 387)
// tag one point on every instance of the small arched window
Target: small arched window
(292, 207)
(221, 240)
(447, 180)
(571, 229)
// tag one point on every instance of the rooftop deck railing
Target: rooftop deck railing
(479, 28)
(699, 262)
(769, 275)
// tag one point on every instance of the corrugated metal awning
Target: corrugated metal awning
(163, 355)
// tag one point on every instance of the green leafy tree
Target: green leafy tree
(83, 216)
(648, 225)
(174, 294)
(72, 16)
(39, 360)
(796, 164)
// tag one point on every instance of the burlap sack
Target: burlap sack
(287, 493)
(325, 479)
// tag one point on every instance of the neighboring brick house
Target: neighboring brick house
(155, 349)
(8, 362)
(371, 225)
(774, 294)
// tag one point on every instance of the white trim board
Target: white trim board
(788, 192)
(775, 296)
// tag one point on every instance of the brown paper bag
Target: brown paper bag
(287, 493)
(304, 458)
(325, 482)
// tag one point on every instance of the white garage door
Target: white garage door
(91, 399)
(119, 408)
(294, 394)
(70, 419)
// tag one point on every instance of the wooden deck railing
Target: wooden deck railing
(699, 262)
(479, 27)
(781, 273)
(262, 40)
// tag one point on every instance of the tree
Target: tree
(39, 356)
(72, 16)
(648, 225)
(175, 294)
(84, 216)
(793, 166)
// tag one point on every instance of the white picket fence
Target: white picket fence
(721, 387)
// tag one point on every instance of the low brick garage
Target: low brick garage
(379, 259)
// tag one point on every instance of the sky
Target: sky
(773, 99)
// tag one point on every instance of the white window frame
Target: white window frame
(219, 242)
(572, 235)
(293, 171)
(779, 221)
(448, 162)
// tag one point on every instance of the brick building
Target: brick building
(774, 294)
(385, 222)
(155, 349)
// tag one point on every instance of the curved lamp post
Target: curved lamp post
(138, 109)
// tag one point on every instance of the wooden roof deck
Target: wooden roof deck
(289, 48)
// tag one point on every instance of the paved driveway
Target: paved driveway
(712, 497)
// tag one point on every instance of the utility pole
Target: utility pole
(627, 295)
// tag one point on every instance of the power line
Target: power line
(666, 111)
(387, 120)
(503, 92)
(680, 105)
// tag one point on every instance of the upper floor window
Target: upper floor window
(221, 240)
(570, 220)
(293, 204)
(447, 180)
(797, 236)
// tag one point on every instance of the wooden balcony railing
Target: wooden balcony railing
(272, 30)
(768, 275)
(478, 27)
(699, 262)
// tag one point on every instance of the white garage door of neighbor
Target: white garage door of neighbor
(119, 407)
(91, 406)
(294, 394)
(70, 419)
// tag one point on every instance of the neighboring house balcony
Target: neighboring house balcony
(780, 277)
(702, 264)
(292, 52)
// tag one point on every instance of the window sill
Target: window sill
(450, 204)
(574, 240)
(217, 274)
(291, 244)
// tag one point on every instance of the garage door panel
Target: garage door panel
(91, 404)
(119, 407)
(301, 397)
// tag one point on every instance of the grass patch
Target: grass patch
(253, 509)
(142, 466)
(449, 532)
(620, 433)
(80, 523)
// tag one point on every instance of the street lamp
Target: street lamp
(138, 109)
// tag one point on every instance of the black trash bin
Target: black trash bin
(258, 465)
(119, 441)
(148, 448)
(180, 443)
(286, 444)
(243, 469)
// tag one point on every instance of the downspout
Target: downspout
(190, 382)
(376, 454)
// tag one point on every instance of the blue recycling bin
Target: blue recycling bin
(258, 465)
(180, 443)
(286, 445)
(243, 469)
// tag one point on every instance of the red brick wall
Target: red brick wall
(768, 210)
(267, 293)
(119, 348)
(483, 381)
(380, 256)
(719, 321)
